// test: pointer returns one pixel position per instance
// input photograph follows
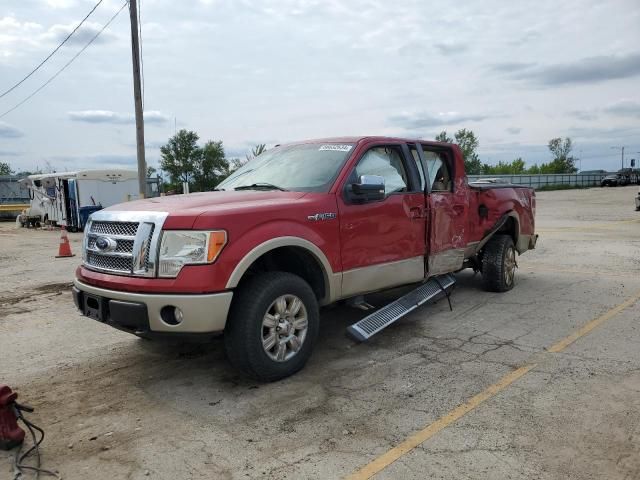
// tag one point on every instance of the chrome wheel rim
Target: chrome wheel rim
(284, 328)
(510, 266)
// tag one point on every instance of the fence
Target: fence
(537, 181)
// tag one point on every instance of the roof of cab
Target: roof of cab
(366, 138)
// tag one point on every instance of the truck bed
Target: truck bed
(492, 186)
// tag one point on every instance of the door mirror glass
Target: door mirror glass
(368, 189)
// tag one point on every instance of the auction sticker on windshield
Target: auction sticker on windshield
(336, 148)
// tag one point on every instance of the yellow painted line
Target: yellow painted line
(416, 439)
(387, 458)
(584, 330)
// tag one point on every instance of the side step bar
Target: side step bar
(381, 319)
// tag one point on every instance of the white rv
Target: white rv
(67, 198)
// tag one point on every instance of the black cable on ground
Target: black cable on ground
(20, 457)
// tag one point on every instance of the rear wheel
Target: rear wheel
(499, 264)
(272, 326)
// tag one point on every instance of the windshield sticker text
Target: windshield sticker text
(336, 148)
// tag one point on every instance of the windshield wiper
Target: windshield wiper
(261, 186)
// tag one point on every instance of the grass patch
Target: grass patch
(562, 186)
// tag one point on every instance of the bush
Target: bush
(562, 186)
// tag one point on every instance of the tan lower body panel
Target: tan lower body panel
(381, 276)
(446, 262)
(203, 313)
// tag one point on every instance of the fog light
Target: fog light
(171, 315)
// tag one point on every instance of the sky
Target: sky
(517, 73)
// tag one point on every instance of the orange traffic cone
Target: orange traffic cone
(65, 247)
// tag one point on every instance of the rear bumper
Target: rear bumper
(145, 313)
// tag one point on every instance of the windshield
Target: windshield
(303, 167)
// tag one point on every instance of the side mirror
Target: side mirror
(370, 188)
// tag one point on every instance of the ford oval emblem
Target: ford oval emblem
(106, 244)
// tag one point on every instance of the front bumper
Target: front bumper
(142, 313)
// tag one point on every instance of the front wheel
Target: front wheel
(499, 264)
(272, 326)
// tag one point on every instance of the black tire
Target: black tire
(243, 335)
(498, 264)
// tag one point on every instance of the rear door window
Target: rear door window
(439, 169)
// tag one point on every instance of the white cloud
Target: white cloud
(417, 121)
(15, 34)
(7, 131)
(86, 32)
(291, 69)
(116, 118)
(627, 108)
(61, 3)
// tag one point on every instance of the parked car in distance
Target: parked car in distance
(609, 181)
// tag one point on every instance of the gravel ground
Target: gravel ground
(114, 406)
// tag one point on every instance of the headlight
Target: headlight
(188, 247)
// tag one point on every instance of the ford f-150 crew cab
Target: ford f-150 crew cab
(300, 226)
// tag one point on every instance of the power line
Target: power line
(68, 63)
(54, 51)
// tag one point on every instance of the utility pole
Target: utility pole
(620, 148)
(580, 159)
(137, 97)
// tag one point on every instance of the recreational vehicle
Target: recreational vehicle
(68, 198)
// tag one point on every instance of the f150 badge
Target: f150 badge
(322, 216)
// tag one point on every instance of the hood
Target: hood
(184, 209)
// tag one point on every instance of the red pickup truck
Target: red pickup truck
(301, 226)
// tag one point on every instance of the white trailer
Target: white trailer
(67, 198)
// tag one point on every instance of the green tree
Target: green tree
(442, 137)
(5, 169)
(255, 151)
(468, 143)
(515, 167)
(151, 171)
(211, 167)
(534, 170)
(562, 161)
(180, 155)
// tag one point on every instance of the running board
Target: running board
(381, 319)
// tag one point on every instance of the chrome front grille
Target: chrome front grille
(115, 228)
(126, 247)
(107, 262)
